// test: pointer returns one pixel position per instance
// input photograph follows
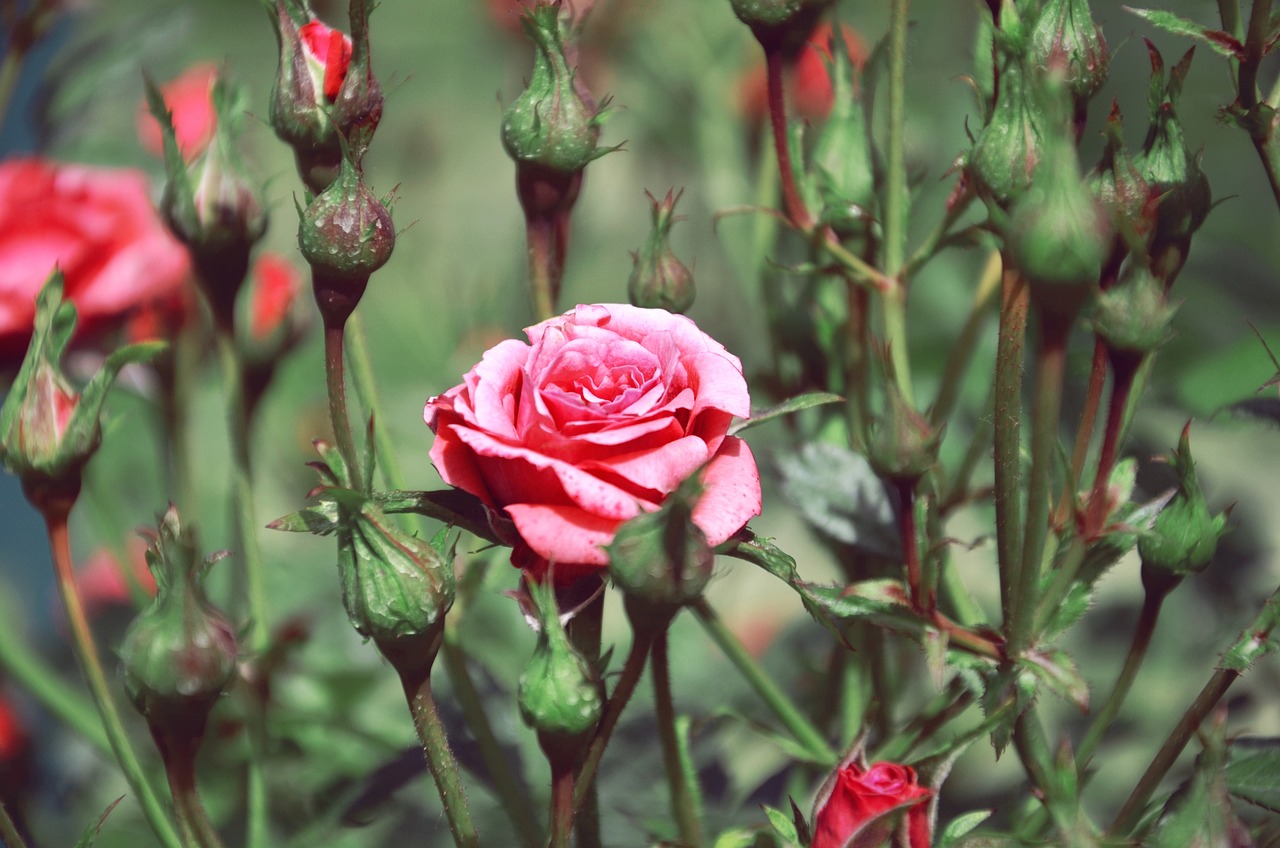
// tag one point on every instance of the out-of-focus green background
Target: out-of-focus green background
(456, 285)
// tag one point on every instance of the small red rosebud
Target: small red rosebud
(862, 806)
(328, 53)
(189, 98)
(275, 286)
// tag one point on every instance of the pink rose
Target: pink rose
(598, 419)
(190, 100)
(99, 227)
(275, 284)
(858, 803)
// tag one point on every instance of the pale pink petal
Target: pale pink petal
(731, 495)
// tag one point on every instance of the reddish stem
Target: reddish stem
(792, 205)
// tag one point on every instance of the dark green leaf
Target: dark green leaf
(760, 551)
(92, 831)
(836, 491)
(795, 404)
(1223, 43)
(1253, 771)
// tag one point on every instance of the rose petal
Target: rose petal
(731, 495)
(564, 534)
(660, 470)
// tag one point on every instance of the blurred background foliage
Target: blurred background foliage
(456, 285)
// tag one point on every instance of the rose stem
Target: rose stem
(415, 677)
(179, 757)
(945, 706)
(632, 668)
(1250, 644)
(584, 633)
(792, 205)
(8, 830)
(1007, 414)
(906, 491)
(792, 719)
(1145, 627)
(544, 271)
(962, 351)
(334, 341)
(1050, 371)
(561, 808)
(896, 205)
(1262, 130)
(1124, 367)
(680, 780)
(513, 795)
(55, 511)
(246, 525)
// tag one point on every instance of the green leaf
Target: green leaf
(1073, 607)
(882, 601)
(1059, 672)
(738, 838)
(453, 507)
(1253, 771)
(782, 824)
(92, 831)
(760, 551)
(838, 493)
(1223, 43)
(795, 404)
(961, 826)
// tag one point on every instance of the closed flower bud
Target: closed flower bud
(658, 279)
(550, 125)
(780, 24)
(904, 445)
(1119, 185)
(345, 234)
(560, 693)
(1134, 315)
(47, 430)
(842, 163)
(210, 205)
(396, 587)
(1174, 179)
(1065, 36)
(1006, 152)
(179, 654)
(1185, 535)
(661, 559)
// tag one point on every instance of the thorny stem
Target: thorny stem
(906, 492)
(962, 351)
(683, 790)
(1124, 368)
(545, 268)
(584, 632)
(1007, 414)
(55, 517)
(1260, 124)
(334, 372)
(801, 729)
(1088, 416)
(794, 207)
(1252, 638)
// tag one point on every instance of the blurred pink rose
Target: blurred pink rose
(102, 583)
(808, 79)
(602, 416)
(275, 287)
(190, 99)
(99, 227)
(862, 803)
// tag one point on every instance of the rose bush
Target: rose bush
(858, 802)
(601, 416)
(99, 227)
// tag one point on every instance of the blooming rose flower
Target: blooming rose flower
(190, 99)
(606, 411)
(858, 803)
(99, 227)
(808, 86)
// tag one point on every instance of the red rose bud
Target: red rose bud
(1173, 174)
(1185, 534)
(189, 99)
(1065, 36)
(396, 587)
(47, 431)
(328, 54)
(1134, 316)
(210, 205)
(661, 559)
(274, 291)
(179, 654)
(842, 162)
(560, 691)
(1057, 232)
(658, 278)
(345, 235)
(551, 125)
(780, 24)
(860, 806)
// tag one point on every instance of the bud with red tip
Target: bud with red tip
(658, 279)
(1065, 36)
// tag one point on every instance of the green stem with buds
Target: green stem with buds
(684, 789)
(801, 729)
(55, 517)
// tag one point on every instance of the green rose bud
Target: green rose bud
(551, 124)
(1119, 185)
(658, 279)
(780, 24)
(1185, 535)
(661, 559)
(560, 693)
(1173, 175)
(48, 431)
(210, 205)
(179, 654)
(842, 163)
(1065, 36)
(903, 444)
(1134, 316)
